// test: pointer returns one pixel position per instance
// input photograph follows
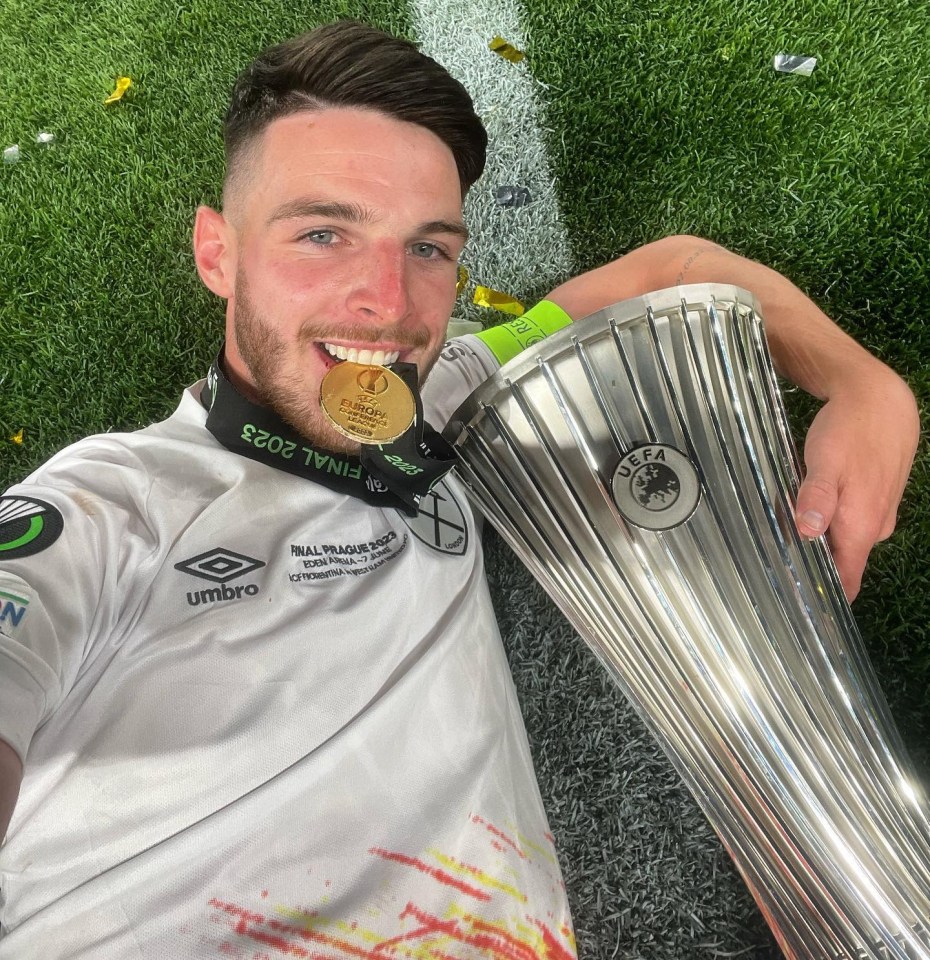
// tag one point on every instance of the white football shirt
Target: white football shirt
(260, 718)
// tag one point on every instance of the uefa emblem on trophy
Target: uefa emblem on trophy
(639, 463)
(655, 486)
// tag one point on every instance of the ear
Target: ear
(215, 251)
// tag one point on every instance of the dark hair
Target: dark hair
(350, 64)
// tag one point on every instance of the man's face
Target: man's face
(346, 242)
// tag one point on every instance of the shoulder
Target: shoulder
(123, 467)
(106, 488)
(464, 364)
(469, 360)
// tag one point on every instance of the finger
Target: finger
(816, 505)
(888, 527)
(850, 556)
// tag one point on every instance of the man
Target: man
(254, 709)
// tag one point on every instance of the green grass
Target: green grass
(102, 316)
(673, 121)
(665, 118)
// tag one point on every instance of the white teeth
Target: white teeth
(378, 357)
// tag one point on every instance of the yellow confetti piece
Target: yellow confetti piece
(506, 50)
(18, 438)
(122, 85)
(461, 281)
(486, 297)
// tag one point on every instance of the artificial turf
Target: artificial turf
(664, 117)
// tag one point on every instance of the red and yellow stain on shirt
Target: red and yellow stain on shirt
(489, 917)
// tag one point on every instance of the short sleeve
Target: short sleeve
(463, 365)
(506, 340)
(31, 669)
(53, 573)
(467, 361)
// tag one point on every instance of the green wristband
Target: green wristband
(508, 339)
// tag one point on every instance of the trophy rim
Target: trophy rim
(621, 312)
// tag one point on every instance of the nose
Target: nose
(380, 287)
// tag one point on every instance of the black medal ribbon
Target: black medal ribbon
(417, 459)
(397, 474)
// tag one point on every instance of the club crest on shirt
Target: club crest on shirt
(441, 522)
(27, 526)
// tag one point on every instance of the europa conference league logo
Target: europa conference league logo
(656, 486)
(27, 526)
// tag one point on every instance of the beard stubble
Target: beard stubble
(275, 369)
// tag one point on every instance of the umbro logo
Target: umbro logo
(220, 566)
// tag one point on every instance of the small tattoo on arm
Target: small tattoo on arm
(686, 266)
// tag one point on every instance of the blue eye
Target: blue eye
(428, 251)
(322, 237)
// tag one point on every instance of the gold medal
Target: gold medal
(366, 402)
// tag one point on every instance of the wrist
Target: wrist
(877, 385)
(813, 352)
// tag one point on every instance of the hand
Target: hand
(858, 454)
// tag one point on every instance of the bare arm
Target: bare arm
(807, 346)
(861, 445)
(11, 775)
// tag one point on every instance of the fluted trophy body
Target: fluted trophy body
(639, 463)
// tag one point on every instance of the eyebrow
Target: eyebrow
(353, 213)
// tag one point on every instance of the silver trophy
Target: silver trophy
(639, 462)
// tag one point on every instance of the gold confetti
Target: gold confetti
(18, 438)
(122, 85)
(461, 281)
(506, 50)
(486, 297)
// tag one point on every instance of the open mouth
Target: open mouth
(335, 353)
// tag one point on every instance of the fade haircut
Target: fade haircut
(350, 64)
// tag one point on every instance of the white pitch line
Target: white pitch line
(517, 250)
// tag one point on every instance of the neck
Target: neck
(242, 383)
